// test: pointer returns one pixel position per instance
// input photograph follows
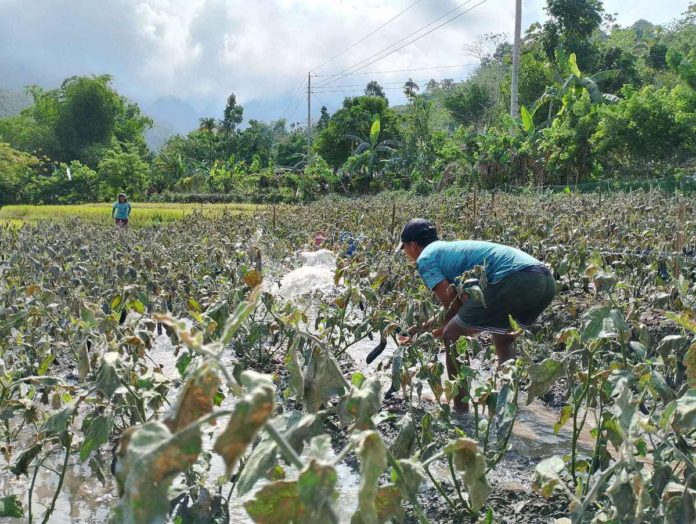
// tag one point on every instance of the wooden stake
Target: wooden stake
(274, 216)
(475, 202)
(393, 220)
(679, 240)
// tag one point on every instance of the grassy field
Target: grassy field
(143, 214)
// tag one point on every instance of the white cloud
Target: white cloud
(202, 50)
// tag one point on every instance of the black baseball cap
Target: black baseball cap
(417, 229)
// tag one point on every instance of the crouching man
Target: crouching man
(519, 286)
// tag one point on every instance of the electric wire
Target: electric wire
(396, 45)
(382, 84)
(293, 102)
(469, 64)
(367, 36)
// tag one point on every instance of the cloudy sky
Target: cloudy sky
(202, 50)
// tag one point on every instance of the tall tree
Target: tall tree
(411, 89)
(233, 115)
(570, 24)
(208, 126)
(87, 114)
(374, 89)
(324, 118)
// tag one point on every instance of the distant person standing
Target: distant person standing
(121, 210)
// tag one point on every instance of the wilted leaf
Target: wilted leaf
(658, 383)
(388, 502)
(296, 427)
(277, 503)
(21, 465)
(84, 366)
(405, 441)
(361, 404)
(152, 458)
(249, 415)
(543, 376)
(97, 470)
(505, 411)
(195, 399)
(685, 412)
(322, 380)
(11, 506)
(547, 475)
(373, 460)
(604, 281)
(252, 278)
(43, 367)
(685, 320)
(108, 379)
(59, 421)
(315, 487)
(690, 365)
(98, 433)
(469, 460)
(593, 322)
(261, 460)
(566, 413)
(671, 345)
(294, 367)
(413, 475)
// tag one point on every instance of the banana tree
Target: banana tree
(367, 151)
(571, 86)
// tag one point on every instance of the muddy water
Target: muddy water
(84, 500)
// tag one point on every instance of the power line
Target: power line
(400, 82)
(294, 100)
(297, 106)
(396, 45)
(367, 35)
(359, 90)
(470, 64)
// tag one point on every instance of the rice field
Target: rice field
(143, 214)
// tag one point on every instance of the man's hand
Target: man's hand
(437, 333)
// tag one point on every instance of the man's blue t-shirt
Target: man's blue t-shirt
(442, 260)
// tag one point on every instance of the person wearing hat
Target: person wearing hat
(518, 286)
(121, 210)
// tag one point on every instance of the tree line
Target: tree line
(598, 101)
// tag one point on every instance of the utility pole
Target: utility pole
(514, 112)
(309, 116)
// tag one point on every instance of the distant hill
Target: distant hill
(158, 135)
(12, 102)
(173, 113)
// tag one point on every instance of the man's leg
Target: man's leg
(504, 347)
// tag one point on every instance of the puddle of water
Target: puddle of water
(533, 435)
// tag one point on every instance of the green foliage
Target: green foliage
(648, 124)
(354, 118)
(16, 169)
(124, 170)
(469, 103)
